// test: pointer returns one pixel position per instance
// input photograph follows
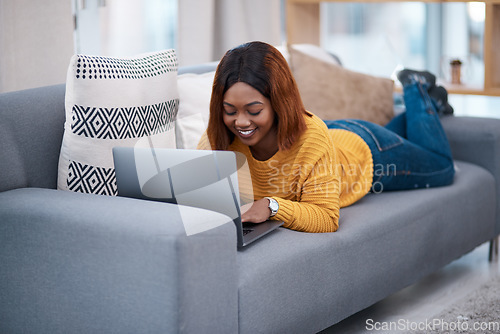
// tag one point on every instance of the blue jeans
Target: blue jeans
(410, 152)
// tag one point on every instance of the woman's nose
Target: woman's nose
(242, 120)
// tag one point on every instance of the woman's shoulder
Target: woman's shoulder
(315, 127)
(316, 137)
(204, 142)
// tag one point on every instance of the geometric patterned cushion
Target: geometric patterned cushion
(115, 102)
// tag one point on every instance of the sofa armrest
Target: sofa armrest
(74, 263)
(476, 140)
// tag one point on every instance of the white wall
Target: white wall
(36, 43)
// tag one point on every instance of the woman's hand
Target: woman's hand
(256, 212)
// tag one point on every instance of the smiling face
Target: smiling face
(249, 116)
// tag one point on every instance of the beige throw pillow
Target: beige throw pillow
(195, 91)
(333, 92)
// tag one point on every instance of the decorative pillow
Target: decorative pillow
(310, 50)
(114, 102)
(195, 91)
(333, 92)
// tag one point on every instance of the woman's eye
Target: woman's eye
(254, 113)
(230, 113)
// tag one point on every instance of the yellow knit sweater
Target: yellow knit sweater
(322, 172)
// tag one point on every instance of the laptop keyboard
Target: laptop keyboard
(247, 230)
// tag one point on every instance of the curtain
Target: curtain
(208, 28)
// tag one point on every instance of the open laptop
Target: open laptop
(199, 178)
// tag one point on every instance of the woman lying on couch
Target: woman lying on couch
(302, 171)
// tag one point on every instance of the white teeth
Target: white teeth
(245, 133)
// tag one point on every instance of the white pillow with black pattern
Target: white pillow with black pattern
(115, 102)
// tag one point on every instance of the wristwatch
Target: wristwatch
(273, 206)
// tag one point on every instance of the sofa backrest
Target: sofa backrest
(31, 130)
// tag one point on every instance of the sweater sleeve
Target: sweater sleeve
(204, 143)
(317, 207)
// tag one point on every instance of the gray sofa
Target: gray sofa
(79, 263)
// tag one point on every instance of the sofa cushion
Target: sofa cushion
(195, 91)
(114, 102)
(310, 50)
(333, 92)
(385, 242)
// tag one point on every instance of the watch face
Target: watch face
(273, 205)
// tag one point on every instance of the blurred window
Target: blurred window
(381, 38)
